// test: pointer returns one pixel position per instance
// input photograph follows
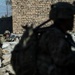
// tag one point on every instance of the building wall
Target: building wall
(30, 11)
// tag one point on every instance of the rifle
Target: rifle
(38, 28)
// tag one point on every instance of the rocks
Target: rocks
(5, 65)
(6, 59)
(6, 70)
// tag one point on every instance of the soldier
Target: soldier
(50, 53)
(55, 44)
(7, 35)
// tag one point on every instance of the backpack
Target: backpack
(24, 54)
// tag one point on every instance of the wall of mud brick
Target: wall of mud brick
(30, 11)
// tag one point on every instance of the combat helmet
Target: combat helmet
(6, 32)
(61, 10)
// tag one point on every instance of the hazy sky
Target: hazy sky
(3, 8)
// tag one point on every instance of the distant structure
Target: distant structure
(27, 11)
(6, 24)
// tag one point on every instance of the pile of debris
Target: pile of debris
(5, 65)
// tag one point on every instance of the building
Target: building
(30, 11)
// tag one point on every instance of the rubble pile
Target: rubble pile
(5, 65)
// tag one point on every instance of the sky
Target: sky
(3, 8)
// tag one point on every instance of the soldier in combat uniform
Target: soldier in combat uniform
(54, 55)
(55, 44)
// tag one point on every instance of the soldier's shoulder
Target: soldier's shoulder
(54, 31)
